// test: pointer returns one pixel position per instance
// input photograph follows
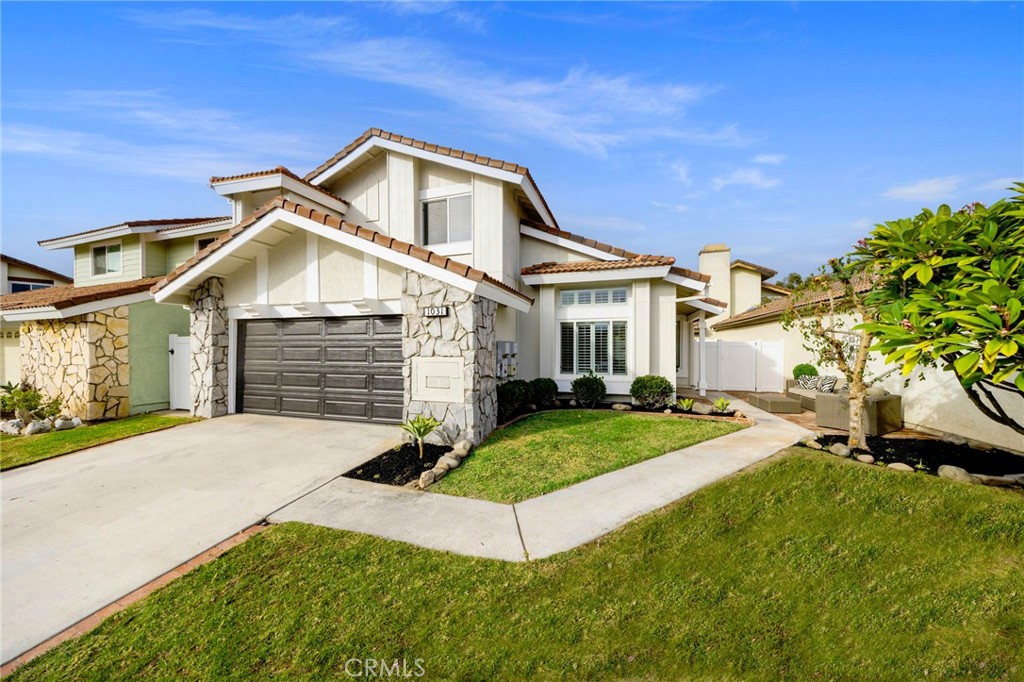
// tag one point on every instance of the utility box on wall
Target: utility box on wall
(508, 360)
(438, 380)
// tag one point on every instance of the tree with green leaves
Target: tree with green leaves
(792, 281)
(826, 311)
(949, 294)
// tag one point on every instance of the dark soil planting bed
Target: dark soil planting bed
(400, 465)
(931, 454)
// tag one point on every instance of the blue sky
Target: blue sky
(783, 129)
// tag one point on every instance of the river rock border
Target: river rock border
(445, 463)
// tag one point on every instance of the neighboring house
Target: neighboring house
(103, 343)
(933, 400)
(397, 278)
(17, 276)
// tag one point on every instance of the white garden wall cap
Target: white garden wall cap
(459, 154)
(61, 297)
(551, 267)
(11, 260)
(279, 170)
(798, 300)
(132, 226)
(280, 203)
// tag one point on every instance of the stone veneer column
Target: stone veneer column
(84, 359)
(208, 376)
(468, 334)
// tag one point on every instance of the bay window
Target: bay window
(598, 347)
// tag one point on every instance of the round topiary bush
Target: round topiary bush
(651, 391)
(804, 370)
(544, 391)
(589, 390)
(513, 397)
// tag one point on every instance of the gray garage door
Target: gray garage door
(331, 368)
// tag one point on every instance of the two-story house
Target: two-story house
(402, 278)
(17, 276)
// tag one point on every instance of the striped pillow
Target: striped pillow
(827, 384)
(807, 381)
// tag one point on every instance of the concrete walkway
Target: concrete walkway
(548, 524)
(84, 530)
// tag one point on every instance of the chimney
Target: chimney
(714, 261)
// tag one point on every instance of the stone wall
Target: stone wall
(467, 333)
(208, 376)
(84, 359)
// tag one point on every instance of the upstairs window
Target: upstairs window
(593, 296)
(106, 259)
(448, 220)
(203, 242)
(19, 286)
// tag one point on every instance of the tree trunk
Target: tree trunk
(857, 439)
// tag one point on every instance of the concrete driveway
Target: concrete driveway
(84, 530)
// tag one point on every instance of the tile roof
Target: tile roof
(607, 248)
(435, 149)
(137, 223)
(366, 233)
(765, 272)
(25, 264)
(68, 296)
(715, 302)
(280, 170)
(800, 299)
(190, 226)
(551, 267)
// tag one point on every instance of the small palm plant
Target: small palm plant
(419, 427)
(686, 404)
(722, 405)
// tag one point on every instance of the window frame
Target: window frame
(591, 295)
(106, 245)
(448, 246)
(30, 286)
(203, 238)
(609, 343)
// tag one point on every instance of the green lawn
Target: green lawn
(16, 451)
(806, 568)
(552, 450)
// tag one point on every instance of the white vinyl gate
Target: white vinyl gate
(744, 366)
(180, 350)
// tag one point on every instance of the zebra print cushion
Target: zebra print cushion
(827, 384)
(806, 381)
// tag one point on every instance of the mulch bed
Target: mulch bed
(400, 465)
(931, 454)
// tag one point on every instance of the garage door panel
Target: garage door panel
(387, 412)
(302, 327)
(383, 382)
(352, 327)
(359, 382)
(333, 368)
(260, 403)
(301, 354)
(348, 355)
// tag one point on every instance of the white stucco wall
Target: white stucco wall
(933, 399)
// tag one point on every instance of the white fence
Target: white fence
(744, 366)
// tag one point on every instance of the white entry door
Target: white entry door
(180, 351)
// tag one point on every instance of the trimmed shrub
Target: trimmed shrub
(543, 391)
(651, 391)
(513, 396)
(589, 390)
(804, 370)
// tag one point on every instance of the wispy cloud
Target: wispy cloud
(146, 132)
(930, 189)
(769, 159)
(604, 223)
(751, 177)
(681, 170)
(999, 184)
(668, 206)
(453, 11)
(580, 109)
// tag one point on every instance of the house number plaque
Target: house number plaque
(436, 311)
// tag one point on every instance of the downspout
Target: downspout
(702, 384)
